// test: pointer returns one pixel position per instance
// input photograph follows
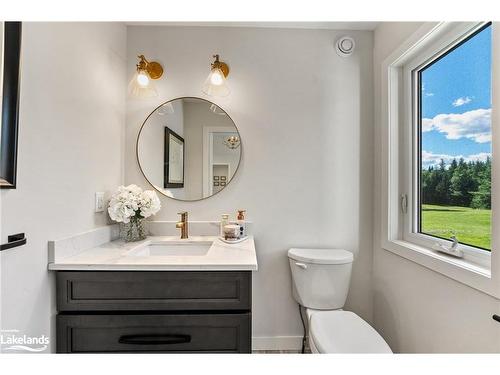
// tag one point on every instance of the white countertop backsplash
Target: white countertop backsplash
(198, 228)
(100, 249)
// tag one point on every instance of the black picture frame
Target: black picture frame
(10, 104)
(167, 183)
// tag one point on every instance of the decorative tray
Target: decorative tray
(233, 241)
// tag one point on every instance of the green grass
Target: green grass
(471, 226)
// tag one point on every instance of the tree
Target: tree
(460, 183)
(443, 184)
(482, 197)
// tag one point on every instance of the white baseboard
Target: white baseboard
(277, 343)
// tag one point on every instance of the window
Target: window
(436, 145)
(445, 147)
(453, 97)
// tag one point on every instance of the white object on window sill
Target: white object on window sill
(452, 250)
(472, 274)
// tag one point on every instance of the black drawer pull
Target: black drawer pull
(496, 317)
(154, 339)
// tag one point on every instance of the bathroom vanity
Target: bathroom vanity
(158, 295)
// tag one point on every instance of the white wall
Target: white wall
(70, 145)
(416, 309)
(198, 116)
(305, 118)
(195, 115)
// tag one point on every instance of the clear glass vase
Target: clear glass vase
(133, 230)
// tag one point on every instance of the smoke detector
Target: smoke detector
(345, 46)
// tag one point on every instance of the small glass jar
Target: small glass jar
(223, 222)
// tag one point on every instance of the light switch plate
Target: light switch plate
(99, 201)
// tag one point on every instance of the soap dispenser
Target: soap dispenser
(242, 224)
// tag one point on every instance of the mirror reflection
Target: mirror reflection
(189, 149)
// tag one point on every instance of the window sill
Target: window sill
(471, 274)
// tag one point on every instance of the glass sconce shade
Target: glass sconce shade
(217, 110)
(166, 109)
(141, 86)
(215, 84)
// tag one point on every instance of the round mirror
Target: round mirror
(188, 149)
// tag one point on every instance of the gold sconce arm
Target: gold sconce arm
(153, 68)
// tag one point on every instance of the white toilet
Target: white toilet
(321, 280)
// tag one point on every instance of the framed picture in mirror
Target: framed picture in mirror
(174, 160)
(10, 58)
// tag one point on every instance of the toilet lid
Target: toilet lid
(321, 256)
(345, 332)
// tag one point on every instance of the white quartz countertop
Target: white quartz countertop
(134, 256)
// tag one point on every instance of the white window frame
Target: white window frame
(478, 268)
(410, 186)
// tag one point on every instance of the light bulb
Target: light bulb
(142, 79)
(216, 77)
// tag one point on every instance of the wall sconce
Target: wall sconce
(141, 85)
(215, 84)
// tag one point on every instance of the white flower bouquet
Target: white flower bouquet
(130, 205)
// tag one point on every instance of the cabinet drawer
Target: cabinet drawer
(153, 291)
(224, 333)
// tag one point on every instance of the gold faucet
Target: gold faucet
(183, 224)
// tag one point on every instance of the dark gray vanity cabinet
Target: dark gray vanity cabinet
(154, 312)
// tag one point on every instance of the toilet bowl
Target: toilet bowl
(321, 279)
(343, 332)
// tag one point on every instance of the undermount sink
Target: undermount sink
(172, 249)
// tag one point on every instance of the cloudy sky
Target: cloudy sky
(456, 103)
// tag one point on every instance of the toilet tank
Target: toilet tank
(320, 277)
